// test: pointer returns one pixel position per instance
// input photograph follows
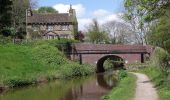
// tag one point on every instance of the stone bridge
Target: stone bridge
(96, 54)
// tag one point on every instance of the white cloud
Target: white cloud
(111, 17)
(101, 13)
(83, 23)
(85, 18)
(64, 8)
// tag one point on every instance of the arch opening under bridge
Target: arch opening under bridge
(116, 61)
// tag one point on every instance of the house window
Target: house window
(35, 28)
(64, 27)
(50, 28)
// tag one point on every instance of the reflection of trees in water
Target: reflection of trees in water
(73, 93)
(105, 81)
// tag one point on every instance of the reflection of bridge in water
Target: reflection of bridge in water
(92, 89)
(96, 54)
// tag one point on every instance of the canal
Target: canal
(85, 88)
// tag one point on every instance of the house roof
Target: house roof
(49, 18)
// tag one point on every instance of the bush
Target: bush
(74, 69)
(122, 74)
(48, 55)
(160, 59)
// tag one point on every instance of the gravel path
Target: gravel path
(145, 89)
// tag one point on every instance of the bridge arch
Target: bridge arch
(100, 62)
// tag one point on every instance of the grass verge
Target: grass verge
(124, 91)
(36, 62)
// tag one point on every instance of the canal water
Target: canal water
(85, 88)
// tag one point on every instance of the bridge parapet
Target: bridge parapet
(91, 53)
(88, 48)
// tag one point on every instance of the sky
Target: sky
(86, 10)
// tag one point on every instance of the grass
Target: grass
(124, 91)
(36, 62)
(162, 83)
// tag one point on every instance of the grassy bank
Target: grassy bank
(125, 89)
(35, 62)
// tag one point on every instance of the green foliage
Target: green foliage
(122, 74)
(154, 73)
(47, 10)
(124, 91)
(159, 34)
(135, 17)
(95, 34)
(5, 40)
(74, 69)
(5, 13)
(146, 14)
(160, 59)
(19, 14)
(151, 9)
(108, 64)
(113, 64)
(8, 31)
(48, 55)
(36, 62)
(13, 16)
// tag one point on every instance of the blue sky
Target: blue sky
(110, 5)
(103, 10)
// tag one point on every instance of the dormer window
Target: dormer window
(50, 28)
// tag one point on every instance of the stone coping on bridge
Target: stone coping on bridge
(110, 47)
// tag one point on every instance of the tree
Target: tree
(5, 13)
(47, 10)
(134, 16)
(13, 16)
(79, 36)
(159, 34)
(142, 14)
(155, 15)
(95, 34)
(19, 13)
(120, 32)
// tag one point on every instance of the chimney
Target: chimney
(29, 12)
(72, 11)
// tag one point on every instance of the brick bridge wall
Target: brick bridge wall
(129, 58)
(94, 58)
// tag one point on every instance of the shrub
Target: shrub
(74, 69)
(122, 74)
(48, 55)
(160, 59)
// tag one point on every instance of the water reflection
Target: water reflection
(106, 82)
(92, 90)
(89, 88)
